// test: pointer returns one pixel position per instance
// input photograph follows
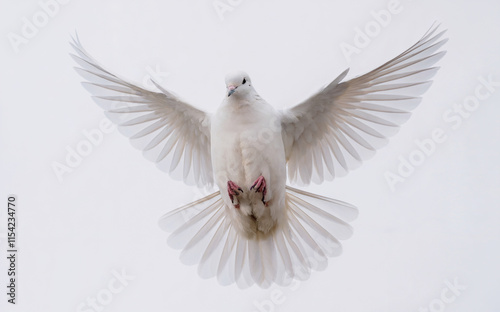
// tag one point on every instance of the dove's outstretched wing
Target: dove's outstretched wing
(173, 134)
(334, 130)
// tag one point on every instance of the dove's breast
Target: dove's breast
(247, 143)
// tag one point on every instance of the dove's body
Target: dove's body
(246, 143)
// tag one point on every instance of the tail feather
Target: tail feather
(185, 215)
(255, 261)
(285, 264)
(213, 254)
(333, 208)
(204, 233)
(191, 253)
(242, 269)
(320, 231)
(245, 278)
(300, 267)
(269, 260)
(225, 269)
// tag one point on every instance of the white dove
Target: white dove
(256, 229)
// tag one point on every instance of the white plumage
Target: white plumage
(255, 229)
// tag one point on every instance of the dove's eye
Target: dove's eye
(244, 81)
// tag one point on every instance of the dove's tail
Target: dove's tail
(204, 233)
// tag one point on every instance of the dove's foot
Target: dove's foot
(234, 190)
(260, 187)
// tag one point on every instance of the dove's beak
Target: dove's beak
(231, 89)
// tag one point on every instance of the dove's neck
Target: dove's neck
(251, 97)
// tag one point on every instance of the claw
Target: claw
(260, 187)
(232, 190)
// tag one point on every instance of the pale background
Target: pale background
(442, 223)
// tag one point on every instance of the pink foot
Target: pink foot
(260, 187)
(232, 190)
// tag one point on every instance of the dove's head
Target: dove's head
(238, 83)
